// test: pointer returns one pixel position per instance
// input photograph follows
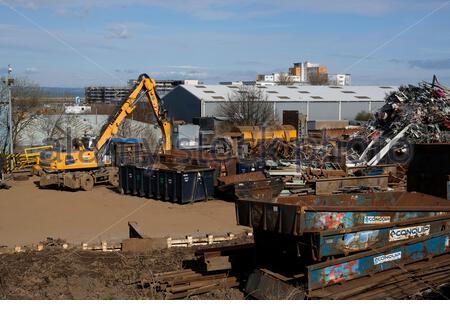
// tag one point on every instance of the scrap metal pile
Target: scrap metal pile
(425, 107)
(283, 150)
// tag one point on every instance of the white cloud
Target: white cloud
(118, 31)
(187, 67)
(126, 71)
(31, 70)
(196, 74)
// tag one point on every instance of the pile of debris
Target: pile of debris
(425, 108)
(282, 150)
(275, 149)
(186, 283)
(4, 186)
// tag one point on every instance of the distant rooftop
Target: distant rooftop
(296, 92)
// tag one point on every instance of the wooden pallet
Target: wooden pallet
(190, 241)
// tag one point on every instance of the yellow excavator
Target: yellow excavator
(85, 166)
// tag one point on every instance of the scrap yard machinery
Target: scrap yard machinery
(84, 164)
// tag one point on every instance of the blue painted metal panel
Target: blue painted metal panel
(336, 244)
(320, 221)
(126, 140)
(359, 265)
(290, 219)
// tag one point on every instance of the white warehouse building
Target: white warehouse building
(186, 102)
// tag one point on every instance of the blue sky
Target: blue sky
(105, 42)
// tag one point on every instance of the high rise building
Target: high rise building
(308, 72)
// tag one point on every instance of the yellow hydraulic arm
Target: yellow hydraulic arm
(145, 86)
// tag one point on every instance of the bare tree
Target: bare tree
(285, 80)
(53, 125)
(248, 106)
(364, 116)
(26, 98)
(136, 129)
(318, 79)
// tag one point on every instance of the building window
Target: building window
(347, 91)
(316, 97)
(306, 92)
(209, 91)
(218, 97)
(362, 97)
(283, 97)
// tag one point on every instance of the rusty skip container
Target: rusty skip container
(341, 213)
(261, 190)
(223, 164)
(370, 262)
(346, 243)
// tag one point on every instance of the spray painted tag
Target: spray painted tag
(377, 219)
(408, 233)
(388, 257)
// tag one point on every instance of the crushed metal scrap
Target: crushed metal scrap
(425, 107)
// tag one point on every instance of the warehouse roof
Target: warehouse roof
(296, 92)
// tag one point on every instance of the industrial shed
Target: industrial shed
(186, 102)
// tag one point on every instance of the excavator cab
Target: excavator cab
(88, 142)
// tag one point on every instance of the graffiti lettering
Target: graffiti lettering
(387, 257)
(410, 232)
(376, 219)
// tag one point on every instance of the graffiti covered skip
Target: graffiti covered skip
(341, 272)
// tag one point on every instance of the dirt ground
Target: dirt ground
(74, 274)
(29, 215)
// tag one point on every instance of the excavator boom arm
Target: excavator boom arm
(112, 127)
(164, 125)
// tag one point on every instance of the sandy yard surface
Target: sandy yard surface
(29, 215)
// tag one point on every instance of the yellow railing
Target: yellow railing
(30, 157)
(27, 159)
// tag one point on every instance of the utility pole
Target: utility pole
(9, 82)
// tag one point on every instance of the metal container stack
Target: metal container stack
(342, 237)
